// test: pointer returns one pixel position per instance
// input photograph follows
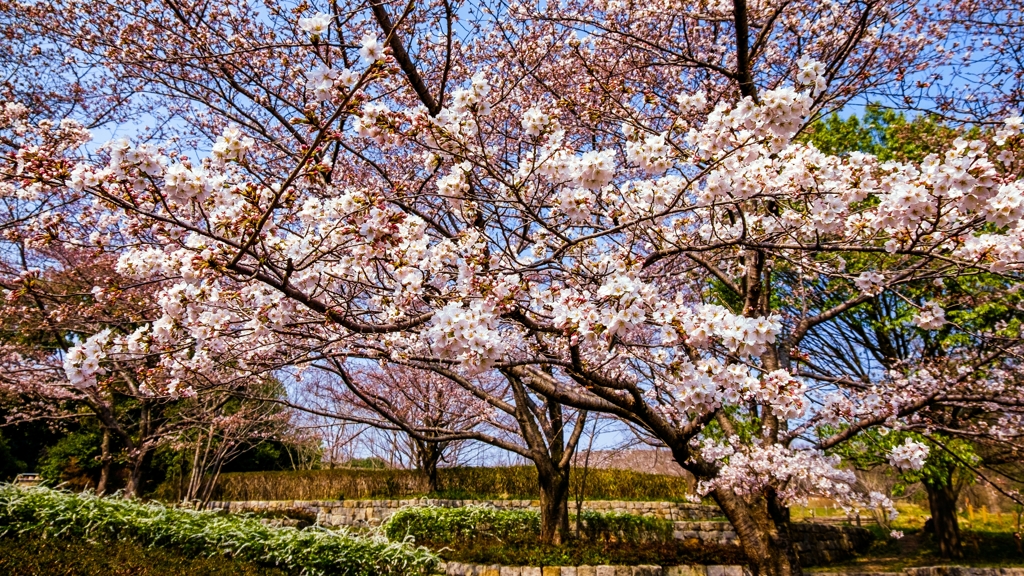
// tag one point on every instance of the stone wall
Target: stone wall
(705, 531)
(823, 544)
(363, 513)
(816, 544)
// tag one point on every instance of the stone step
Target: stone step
(460, 569)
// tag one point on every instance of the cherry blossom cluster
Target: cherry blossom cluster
(82, 363)
(910, 455)
(317, 24)
(323, 82)
(370, 49)
(231, 145)
(931, 317)
(812, 73)
(795, 474)
(468, 334)
(653, 154)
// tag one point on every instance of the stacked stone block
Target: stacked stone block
(459, 569)
(710, 532)
(822, 544)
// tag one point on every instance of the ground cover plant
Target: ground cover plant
(34, 556)
(477, 483)
(446, 526)
(45, 513)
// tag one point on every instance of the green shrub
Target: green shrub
(51, 513)
(446, 526)
(479, 483)
(74, 460)
(372, 463)
(437, 526)
(622, 527)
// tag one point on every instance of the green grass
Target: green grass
(31, 556)
(478, 483)
(46, 513)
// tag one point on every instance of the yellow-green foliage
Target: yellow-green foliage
(517, 482)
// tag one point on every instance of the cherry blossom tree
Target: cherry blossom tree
(435, 406)
(945, 328)
(437, 411)
(216, 428)
(64, 305)
(603, 201)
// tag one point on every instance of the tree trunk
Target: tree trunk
(105, 462)
(942, 501)
(138, 456)
(763, 529)
(430, 469)
(428, 454)
(554, 505)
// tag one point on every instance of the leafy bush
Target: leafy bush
(445, 526)
(72, 557)
(74, 459)
(482, 483)
(51, 513)
(622, 527)
(10, 466)
(437, 526)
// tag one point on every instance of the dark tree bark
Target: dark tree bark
(543, 429)
(131, 490)
(428, 455)
(105, 464)
(137, 452)
(763, 529)
(553, 481)
(942, 502)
